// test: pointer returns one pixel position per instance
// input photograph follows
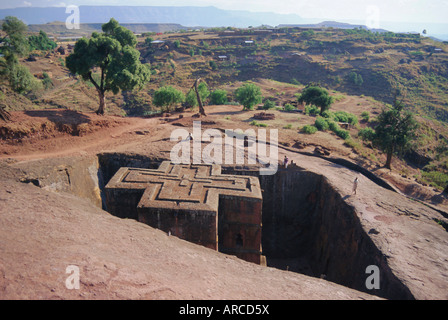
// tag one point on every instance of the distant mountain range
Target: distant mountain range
(331, 24)
(170, 18)
(186, 16)
(59, 29)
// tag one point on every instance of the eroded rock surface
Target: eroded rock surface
(42, 233)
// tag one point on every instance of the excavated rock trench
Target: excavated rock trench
(307, 225)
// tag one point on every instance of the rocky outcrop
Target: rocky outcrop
(312, 223)
(44, 236)
(307, 224)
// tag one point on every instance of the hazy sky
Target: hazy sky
(417, 11)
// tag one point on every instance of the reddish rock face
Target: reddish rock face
(195, 203)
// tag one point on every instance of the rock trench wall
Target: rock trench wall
(307, 222)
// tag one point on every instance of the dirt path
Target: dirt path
(116, 132)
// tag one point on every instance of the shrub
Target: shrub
(258, 124)
(321, 124)
(339, 97)
(309, 129)
(333, 126)
(435, 178)
(21, 80)
(167, 96)
(289, 107)
(308, 34)
(311, 110)
(328, 114)
(268, 104)
(46, 81)
(344, 134)
(191, 99)
(366, 134)
(343, 116)
(219, 97)
(352, 119)
(340, 116)
(295, 82)
(365, 115)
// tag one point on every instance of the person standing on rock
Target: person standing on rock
(285, 161)
(355, 185)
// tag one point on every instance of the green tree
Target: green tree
(192, 99)
(41, 42)
(19, 76)
(268, 104)
(395, 130)
(167, 97)
(148, 41)
(219, 97)
(113, 53)
(14, 42)
(213, 65)
(315, 95)
(249, 94)
(355, 78)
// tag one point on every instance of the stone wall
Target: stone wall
(239, 228)
(199, 227)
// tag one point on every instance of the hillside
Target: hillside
(292, 58)
(282, 61)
